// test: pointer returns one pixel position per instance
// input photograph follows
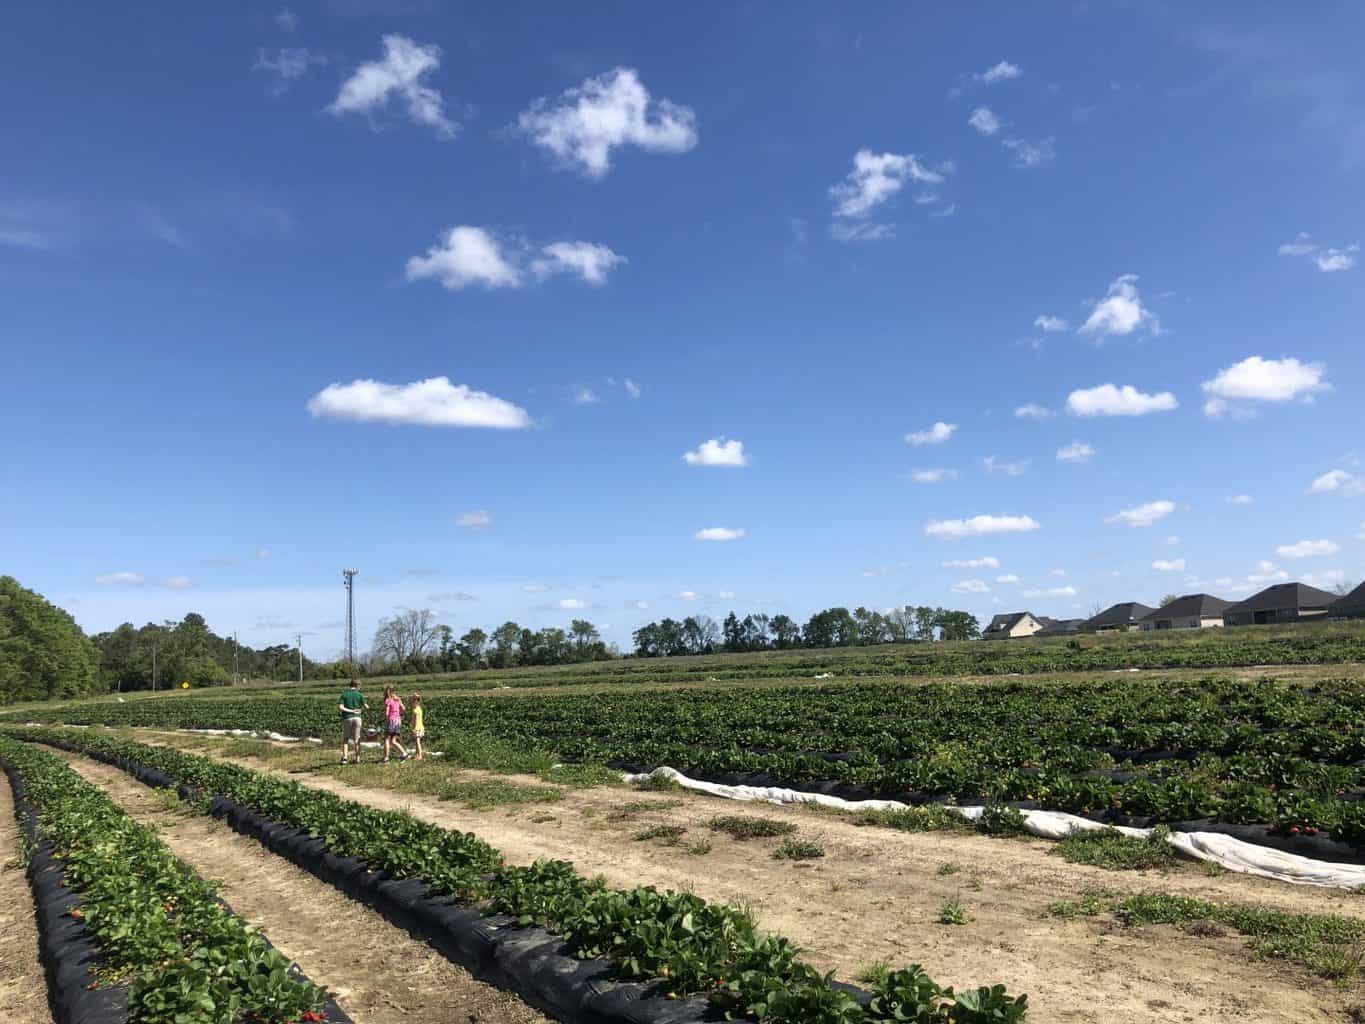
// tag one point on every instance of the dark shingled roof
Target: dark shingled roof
(1206, 606)
(1058, 627)
(1004, 623)
(1352, 604)
(1125, 613)
(1284, 595)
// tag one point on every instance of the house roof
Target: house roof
(1352, 602)
(1125, 613)
(1284, 595)
(1058, 626)
(1005, 622)
(1206, 606)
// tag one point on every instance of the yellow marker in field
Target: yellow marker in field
(184, 686)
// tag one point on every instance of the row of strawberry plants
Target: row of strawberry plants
(686, 943)
(184, 957)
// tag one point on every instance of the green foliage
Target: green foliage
(739, 826)
(953, 912)
(926, 818)
(667, 834)
(798, 849)
(1000, 820)
(43, 653)
(1111, 849)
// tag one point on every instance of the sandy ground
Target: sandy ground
(876, 895)
(23, 989)
(379, 973)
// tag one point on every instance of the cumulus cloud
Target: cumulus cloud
(475, 519)
(121, 579)
(875, 178)
(586, 396)
(1338, 481)
(584, 124)
(986, 562)
(1108, 400)
(588, 260)
(1266, 572)
(1143, 515)
(688, 595)
(466, 255)
(718, 452)
(984, 121)
(979, 526)
(1028, 154)
(1263, 380)
(936, 434)
(286, 66)
(971, 587)
(631, 387)
(1240, 499)
(1076, 451)
(1007, 578)
(860, 231)
(720, 533)
(434, 402)
(1033, 411)
(1120, 312)
(1169, 565)
(398, 77)
(932, 476)
(572, 604)
(1308, 549)
(1051, 592)
(995, 465)
(1325, 258)
(1050, 324)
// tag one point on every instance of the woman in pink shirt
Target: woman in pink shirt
(393, 723)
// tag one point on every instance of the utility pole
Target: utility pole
(299, 637)
(236, 676)
(349, 576)
(154, 666)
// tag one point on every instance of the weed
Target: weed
(929, 818)
(949, 869)
(582, 776)
(1091, 903)
(699, 848)
(737, 826)
(635, 808)
(446, 782)
(875, 973)
(1110, 849)
(974, 884)
(1000, 820)
(953, 912)
(542, 819)
(1212, 868)
(658, 784)
(667, 834)
(798, 849)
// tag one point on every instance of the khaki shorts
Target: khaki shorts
(350, 729)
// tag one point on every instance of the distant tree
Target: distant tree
(786, 633)
(1344, 587)
(926, 623)
(472, 645)
(43, 653)
(755, 631)
(647, 641)
(871, 627)
(900, 624)
(959, 626)
(833, 627)
(700, 634)
(505, 640)
(672, 641)
(1168, 599)
(584, 633)
(407, 637)
(733, 633)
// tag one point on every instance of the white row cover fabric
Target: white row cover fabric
(1232, 853)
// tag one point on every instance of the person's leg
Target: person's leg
(418, 742)
(388, 742)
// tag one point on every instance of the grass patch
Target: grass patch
(1000, 820)
(1110, 849)
(1212, 868)
(949, 869)
(444, 783)
(737, 826)
(582, 776)
(657, 784)
(478, 750)
(635, 808)
(929, 818)
(667, 834)
(698, 848)
(1330, 946)
(798, 849)
(953, 912)
(874, 973)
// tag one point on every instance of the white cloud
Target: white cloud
(971, 587)
(1058, 572)
(1169, 565)
(1338, 481)
(286, 19)
(988, 562)
(1030, 154)
(1240, 499)
(1033, 411)
(467, 255)
(1143, 515)
(1007, 578)
(979, 526)
(584, 124)
(631, 387)
(1108, 400)
(1076, 451)
(1266, 572)
(1172, 540)
(475, 519)
(932, 476)
(434, 402)
(178, 582)
(1121, 312)
(262, 552)
(1050, 324)
(688, 595)
(1308, 549)
(586, 396)
(860, 231)
(288, 65)
(726, 595)
(720, 533)
(1052, 592)
(1002, 72)
(121, 579)
(1361, 534)
(936, 434)
(534, 588)
(638, 606)
(1325, 579)
(984, 121)
(718, 452)
(571, 603)
(588, 260)
(995, 465)
(875, 178)
(398, 76)
(1263, 380)
(1327, 259)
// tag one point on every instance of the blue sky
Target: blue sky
(235, 241)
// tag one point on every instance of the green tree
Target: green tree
(43, 653)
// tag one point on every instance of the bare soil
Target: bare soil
(378, 972)
(23, 989)
(876, 896)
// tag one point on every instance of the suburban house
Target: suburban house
(1059, 627)
(1284, 602)
(1012, 624)
(1124, 615)
(1192, 611)
(1352, 606)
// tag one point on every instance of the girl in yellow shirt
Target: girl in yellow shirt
(419, 727)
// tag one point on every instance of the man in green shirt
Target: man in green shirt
(352, 707)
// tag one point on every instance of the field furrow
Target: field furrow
(23, 991)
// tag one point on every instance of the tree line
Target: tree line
(413, 641)
(833, 627)
(44, 655)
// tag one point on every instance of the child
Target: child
(419, 728)
(393, 723)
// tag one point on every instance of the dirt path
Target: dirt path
(23, 989)
(379, 973)
(877, 894)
